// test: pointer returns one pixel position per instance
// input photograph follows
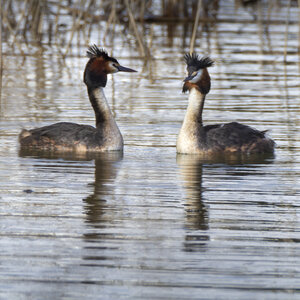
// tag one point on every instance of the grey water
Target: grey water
(150, 224)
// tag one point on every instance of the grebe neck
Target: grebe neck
(190, 134)
(100, 105)
(195, 107)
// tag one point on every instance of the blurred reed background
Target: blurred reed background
(66, 27)
(65, 23)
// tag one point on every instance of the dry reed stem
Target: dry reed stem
(111, 19)
(142, 11)
(285, 55)
(299, 32)
(10, 29)
(36, 8)
(196, 23)
(260, 27)
(19, 22)
(76, 22)
(135, 29)
(56, 19)
(286, 32)
(1, 58)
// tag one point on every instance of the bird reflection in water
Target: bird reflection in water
(106, 169)
(96, 205)
(105, 172)
(191, 168)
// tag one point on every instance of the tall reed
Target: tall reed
(58, 22)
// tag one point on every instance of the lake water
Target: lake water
(150, 224)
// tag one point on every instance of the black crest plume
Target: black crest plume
(194, 60)
(94, 51)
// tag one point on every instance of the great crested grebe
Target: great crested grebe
(194, 138)
(65, 136)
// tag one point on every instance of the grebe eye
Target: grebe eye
(194, 73)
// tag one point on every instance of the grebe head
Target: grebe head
(99, 65)
(198, 76)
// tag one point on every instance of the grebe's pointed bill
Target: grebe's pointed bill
(188, 78)
(124, 69)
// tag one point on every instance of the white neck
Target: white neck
(187, 141)
(195, 107)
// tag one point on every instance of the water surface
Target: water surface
(150, 224)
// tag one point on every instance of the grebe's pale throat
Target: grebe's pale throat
(194, 138)
(66, 136)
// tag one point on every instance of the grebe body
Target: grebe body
(195, 138)
(66, 136)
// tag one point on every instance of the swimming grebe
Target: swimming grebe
(212, 139)
(67, 136)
